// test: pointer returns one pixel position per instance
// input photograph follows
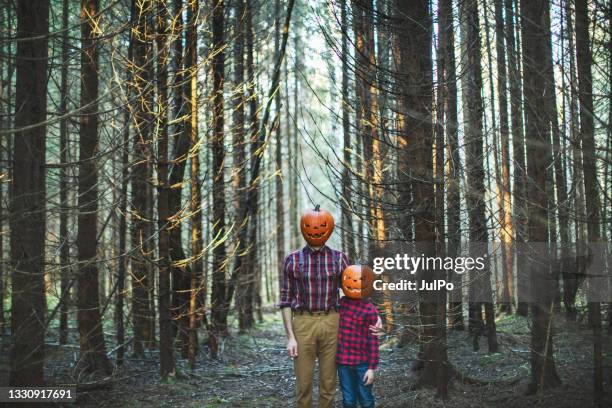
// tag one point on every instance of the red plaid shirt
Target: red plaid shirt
(356, 344)
(315, 287)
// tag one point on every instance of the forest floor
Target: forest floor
(254, 371)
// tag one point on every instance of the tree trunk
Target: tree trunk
(347, 193)
(557, 185)
(64, 238)
(27, 199)
(247, 236)
(280, 201)
(608, 204)
(584, 62)
(239, 143)
(142, 120)
(369, 127)
(454, 162)
(197, 244)
(480, 286)
(292, 168)
(92, 347)
(123, 258)
(181, 272)
(218, 313)
(506, 226)
(535, 36)
(295, 231)
(413, 41)
(440, 234)
(519, 212)
(5, 111)
(8, 96)
(167, 366)
(571, 280)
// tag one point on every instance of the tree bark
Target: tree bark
(413, 41)
(247, 236)
(480, 286)
(557, 187)
(347, 201)
(197, 244)
(571, 280)
(142, 120)
(27, 199)
(453, 195)
(369, 127)
(584, 61)
(280, 201)
(167, 366)
(519, 211)
(92, 347)
(535, 36)
(506, 226)
(123, 206)
(239, 143)
(439, 183)
(5, 111)
(64, 238)
(218, 305)
(296, 143)
(181, 271)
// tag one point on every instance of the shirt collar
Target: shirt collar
(362, 300)
(309, 250)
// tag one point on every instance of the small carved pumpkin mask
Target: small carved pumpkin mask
(357, 281)
(317, 226)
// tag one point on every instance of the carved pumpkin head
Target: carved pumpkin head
(357, 281)
(317, 226)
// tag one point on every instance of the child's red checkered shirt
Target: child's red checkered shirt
(356, 344)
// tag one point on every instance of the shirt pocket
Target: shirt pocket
(330, 271)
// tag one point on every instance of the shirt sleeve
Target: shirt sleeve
(287, 292)
(372, 352)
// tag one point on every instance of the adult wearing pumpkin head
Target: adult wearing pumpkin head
(309, 302)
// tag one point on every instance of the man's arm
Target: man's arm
(291, 342)
(377, 329)
(287, 291)
(286, 296)
(372, 352)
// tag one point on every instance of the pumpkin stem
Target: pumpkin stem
(317, 207)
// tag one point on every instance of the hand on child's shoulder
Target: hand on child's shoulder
(371, 307)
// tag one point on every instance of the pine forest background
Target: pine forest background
(156, 155)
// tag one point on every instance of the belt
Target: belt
(320, 313)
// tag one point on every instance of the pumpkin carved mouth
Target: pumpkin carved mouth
(319, 235)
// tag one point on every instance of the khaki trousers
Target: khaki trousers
(317, 337)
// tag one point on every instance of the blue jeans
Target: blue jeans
(353, 388)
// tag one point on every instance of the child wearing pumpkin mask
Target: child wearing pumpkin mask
(357, 351)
